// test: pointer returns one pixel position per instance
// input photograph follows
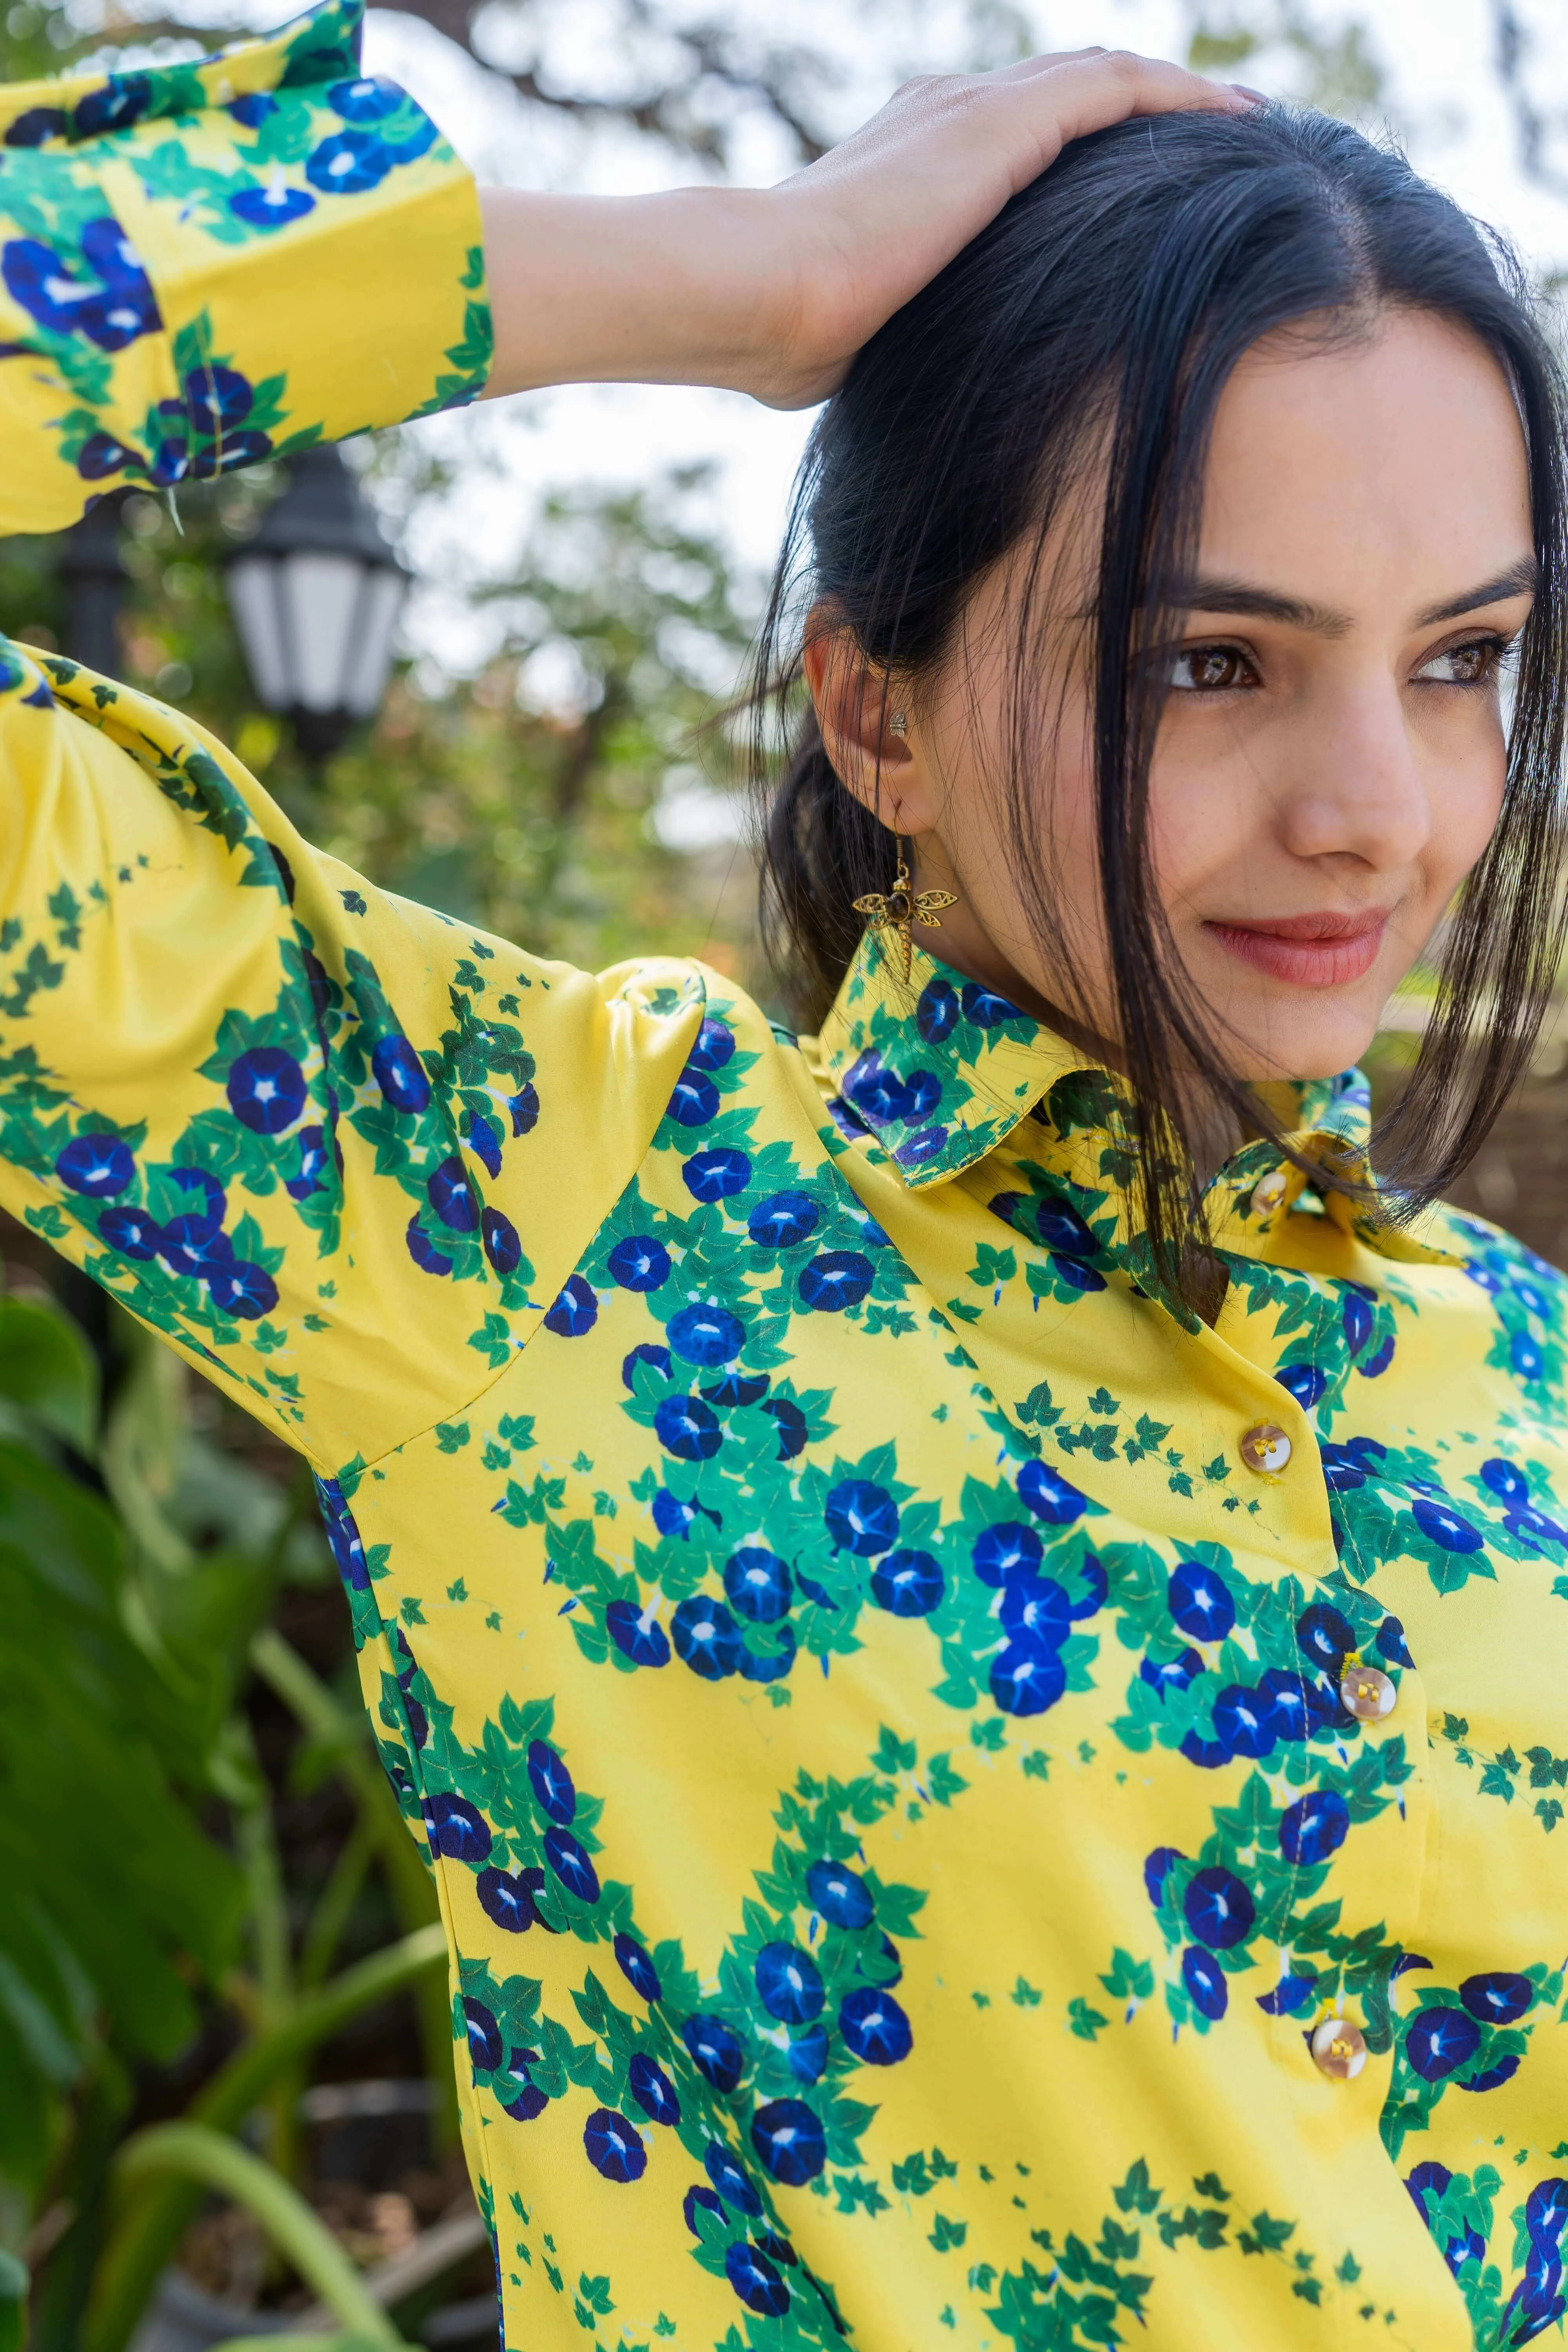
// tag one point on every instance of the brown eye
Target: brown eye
(1211, 669)
(1472, 665)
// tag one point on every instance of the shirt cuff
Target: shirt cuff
(208, 264)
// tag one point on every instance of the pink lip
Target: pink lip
(1321, 950)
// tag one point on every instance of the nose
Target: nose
(1357, 789)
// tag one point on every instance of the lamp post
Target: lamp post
(315, 595)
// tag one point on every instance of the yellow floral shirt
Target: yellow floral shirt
(935, 1773)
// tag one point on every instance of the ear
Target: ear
(855, 700)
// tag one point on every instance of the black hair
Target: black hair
(1099, 317)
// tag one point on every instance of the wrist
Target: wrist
(687, 286)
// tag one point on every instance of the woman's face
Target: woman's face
(1330, 762)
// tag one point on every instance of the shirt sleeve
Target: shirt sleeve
(203, 265)
(344, 1152)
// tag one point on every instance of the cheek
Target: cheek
(1467, 797)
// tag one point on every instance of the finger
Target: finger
(1089, 93)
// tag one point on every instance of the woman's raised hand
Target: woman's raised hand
(772, 291)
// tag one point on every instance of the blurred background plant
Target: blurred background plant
(226, 2101)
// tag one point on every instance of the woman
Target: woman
(964, 1603)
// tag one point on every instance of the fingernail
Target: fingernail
(1253, 97)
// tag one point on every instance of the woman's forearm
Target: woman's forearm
(772, 291)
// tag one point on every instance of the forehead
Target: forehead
(1397, 445)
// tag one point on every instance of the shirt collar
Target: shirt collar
(938, 1070)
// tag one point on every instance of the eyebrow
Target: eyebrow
(1244, 597)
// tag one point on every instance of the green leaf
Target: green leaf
(47, 1367)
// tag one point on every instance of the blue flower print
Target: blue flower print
(937, 1011)
(1357, 1316)
(1199, 1601)
(524, 1108)
(189, 1246)
(576, 1311)
(506, 1897)
(503, 1246)
(755, 2280)
(614, 2146)
(790, 2141)
(366, 99)
(100, 1166)
(243, 1289)
(1157, 1868)
(713, 1046)
(251, 109)
(758, 1584)
(836, 1279)
(526, 2101)
(551, 1782)
(1074, 1271)
(1305, 1382)
(986, 1007)
(783, 1220)
(457, 1828)
(694, 1098)
(792, 1426)
(217, 400)
(709, 1336)
(1313, 1828)
(400, 1073)
(1500, 1997)
(643, 1641)
(569, 1860)
(688, 1428)
(717, 2054)
(1009, 1549)
(311, 1144)
(807, 2055)
(734, 1389)
(1378, 1362)
(100, 456)
(106, 295)
(1035, 1608)
(635, 1967)
(789, 1984)
(1244, 1721)
(674, 1515)
(1062, 1230)
(1290, 1995)
(348, 163)
(1204, 1981)
(906, 1583)
(1048, 1494)
(423, 1250)
(874, 2027)
(1443, 1525)
(450, 1191)
(132, 1232)
(840, 1894)
(862, 1518)
(652, 2089)
(1390, 1643)
(729, 2178)
(1325, 1637)
(122, 98)
(639, 1262)
(716, 1175)
(1439, 2041)
(486, 2048)
(1300, 1705)
(1027, 1678)
(1505, 1480)
(36, 127)
(699, 2200)
(706, 1637)
(266, 1089)
(646, 1352)
(1526, 1357)
(1218, 1909)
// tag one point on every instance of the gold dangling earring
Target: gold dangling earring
(903, 905)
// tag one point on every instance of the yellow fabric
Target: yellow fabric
(879, 1744)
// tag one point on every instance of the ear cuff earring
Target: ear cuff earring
(897, 723)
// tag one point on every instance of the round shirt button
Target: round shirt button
(1367, 1694)
(1339, 2049)
(1269, 1191)
(1266, 1449)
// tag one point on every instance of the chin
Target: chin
(1311, 1049)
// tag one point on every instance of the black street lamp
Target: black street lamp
(315, 595)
